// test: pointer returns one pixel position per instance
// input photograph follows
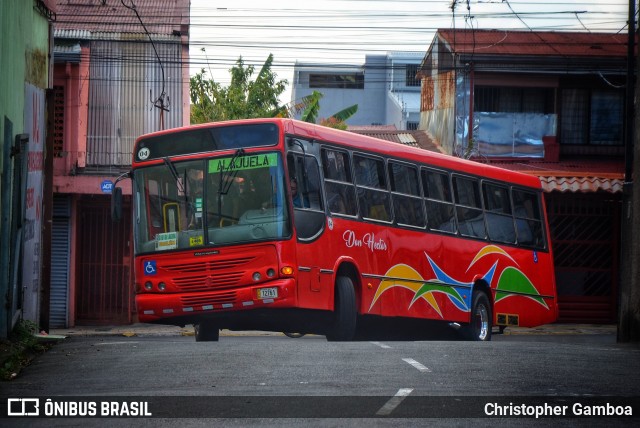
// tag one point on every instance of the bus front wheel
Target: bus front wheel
(343, 327)
(479, 328)
(207, 331)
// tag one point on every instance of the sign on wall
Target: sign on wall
(34, 125)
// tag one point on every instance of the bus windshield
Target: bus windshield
(211, 201)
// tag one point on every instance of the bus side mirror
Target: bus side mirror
(116, 204)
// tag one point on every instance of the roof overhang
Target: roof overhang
(581, 184)
(577, 176)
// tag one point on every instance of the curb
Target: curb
(147, 330)
(141, 329)
(564, 329)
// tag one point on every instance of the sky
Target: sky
(344, 31)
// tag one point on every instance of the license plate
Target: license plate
(268, 293)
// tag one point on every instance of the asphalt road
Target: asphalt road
(266, 379)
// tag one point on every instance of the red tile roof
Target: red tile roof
(581, 175)
(539, 43)
(159, 16)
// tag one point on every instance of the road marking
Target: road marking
(382, 345)
(116, 343)
(394, 402)
(416, 364)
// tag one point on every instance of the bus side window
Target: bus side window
(528, 218)
(304, 171)
(468, 207)
(338, 184)
(440, 213)
(371, 183)
(407, 201)
(497, 206)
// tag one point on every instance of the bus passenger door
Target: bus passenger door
(309, 220)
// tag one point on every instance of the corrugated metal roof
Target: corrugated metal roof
(159, 16)
(407, 139)
(400, 55)
(359, 128)
(539, 43)
(71, 34)
(103, 35)
(67, 53)
(410, 138)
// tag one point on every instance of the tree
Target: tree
(242, 99)
(337, 120)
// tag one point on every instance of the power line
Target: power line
(295, 32)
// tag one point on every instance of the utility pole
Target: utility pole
(629, 296)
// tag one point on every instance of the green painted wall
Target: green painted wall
(24, 57)
(24, 46)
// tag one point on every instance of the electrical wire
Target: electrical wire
(340, 34)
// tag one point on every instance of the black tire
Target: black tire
(207, 331)
(480, 324)
(343, 327)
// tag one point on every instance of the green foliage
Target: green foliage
(336, 120)
(19, 350)
(346, 113)
(310, 113)
(242, 99)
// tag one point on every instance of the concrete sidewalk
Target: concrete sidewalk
(142, 329)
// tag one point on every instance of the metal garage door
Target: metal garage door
(58, 313)
(585, 231)
(103, 280)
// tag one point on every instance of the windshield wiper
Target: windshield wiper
(174, 173)
(226, 178)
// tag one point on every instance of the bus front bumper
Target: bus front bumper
(156, 307)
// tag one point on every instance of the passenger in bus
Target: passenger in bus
(298, 200)
(336, 203)
(378, 206)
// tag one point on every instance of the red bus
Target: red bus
(282, 225)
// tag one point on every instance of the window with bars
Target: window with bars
(411, 72)
(592, 117)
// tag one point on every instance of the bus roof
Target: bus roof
(365, 143)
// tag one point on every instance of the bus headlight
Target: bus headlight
(148, 285)
(256, 276)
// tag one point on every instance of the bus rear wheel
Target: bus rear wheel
(343, 327)
(207, 331)
(480, 324)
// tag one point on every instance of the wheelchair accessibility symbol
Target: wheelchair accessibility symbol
(150, 267)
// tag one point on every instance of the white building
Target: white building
(385, 88)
